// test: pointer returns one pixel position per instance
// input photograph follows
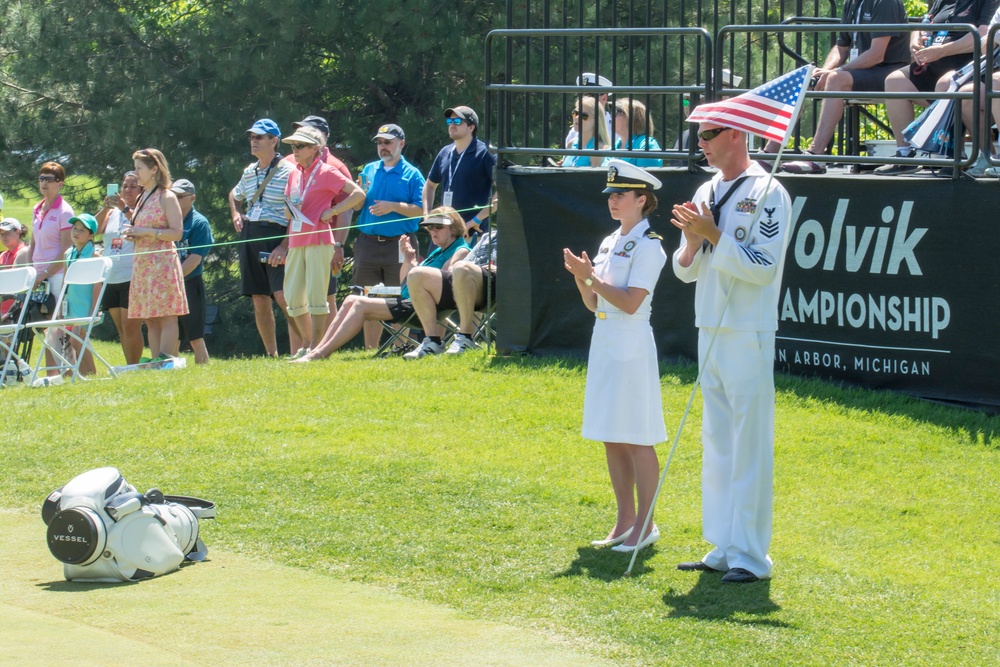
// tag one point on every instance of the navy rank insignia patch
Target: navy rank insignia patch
(612, 174)
(602, 251)
(748, 205)
(740, 234)
(769, 228)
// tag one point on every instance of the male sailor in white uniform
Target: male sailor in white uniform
(735, 232)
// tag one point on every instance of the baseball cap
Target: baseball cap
(465, 113)
(182, 186)
(87, 220)
(11, 225)
(265, 126)
(389, 131)
(314, 121)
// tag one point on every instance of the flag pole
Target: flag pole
(711, 341)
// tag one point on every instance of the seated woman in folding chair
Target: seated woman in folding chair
(463, 287)
(447, 232)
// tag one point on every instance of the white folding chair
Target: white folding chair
(91, 272)
(13, 282)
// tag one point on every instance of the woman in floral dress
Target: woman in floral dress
(156, 294)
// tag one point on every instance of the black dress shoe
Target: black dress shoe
(696, 565)
(738, 575)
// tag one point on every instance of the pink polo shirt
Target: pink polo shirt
(326, 156)
(320, 191)
(45, 232)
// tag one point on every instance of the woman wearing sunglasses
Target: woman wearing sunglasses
(50, 227)
(447, 231)
(623, 407)
(634, 128)
(589, 122)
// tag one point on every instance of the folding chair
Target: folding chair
(81, 272)
(14, 282)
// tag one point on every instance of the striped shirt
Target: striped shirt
(273, 197)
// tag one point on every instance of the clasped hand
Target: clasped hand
(581, 267)
(696, 225)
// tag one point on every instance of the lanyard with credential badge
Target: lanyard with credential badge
(453, 168)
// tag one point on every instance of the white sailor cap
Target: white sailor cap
(626, 177)
(591, 79)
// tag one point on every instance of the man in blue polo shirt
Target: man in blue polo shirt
(191, 250)
(464, 170)
(393, 198)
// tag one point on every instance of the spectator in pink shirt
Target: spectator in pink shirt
(312, 187)
(50, 227)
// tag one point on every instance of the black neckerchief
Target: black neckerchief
(717, 208)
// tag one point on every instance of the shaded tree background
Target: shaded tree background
(90, 82)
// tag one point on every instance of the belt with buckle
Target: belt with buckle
(616, 315)
(383, 239)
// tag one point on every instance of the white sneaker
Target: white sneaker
(426, 347)
(48, 381)
(461, 344)
(303, 351)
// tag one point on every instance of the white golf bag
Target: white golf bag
(102, 529)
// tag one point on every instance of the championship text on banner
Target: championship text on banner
(886, 285)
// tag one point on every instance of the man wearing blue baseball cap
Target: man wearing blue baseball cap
(262, 227)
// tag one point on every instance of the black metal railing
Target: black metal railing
(531, 76)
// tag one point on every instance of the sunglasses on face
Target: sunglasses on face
(47, 179)
(708, 135)
(452, 121)
(584, 115)
(298, 147)
(436, 227)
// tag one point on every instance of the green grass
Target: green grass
(465, 482)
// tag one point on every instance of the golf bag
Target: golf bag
(102, 529)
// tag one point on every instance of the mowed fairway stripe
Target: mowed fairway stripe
(233, 610)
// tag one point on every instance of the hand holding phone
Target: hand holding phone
(112, 189)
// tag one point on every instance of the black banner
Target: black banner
(889, 282)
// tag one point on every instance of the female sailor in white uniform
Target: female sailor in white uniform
(623, 406)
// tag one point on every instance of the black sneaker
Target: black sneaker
(899, 169)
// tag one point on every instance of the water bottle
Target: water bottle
(927, 35)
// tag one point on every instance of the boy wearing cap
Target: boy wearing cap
(80, 299)
(393, 205)
(464, 170)
(194, 245)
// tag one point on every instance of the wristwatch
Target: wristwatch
(589, 281)
(338, 244)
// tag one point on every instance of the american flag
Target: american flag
(767, 111)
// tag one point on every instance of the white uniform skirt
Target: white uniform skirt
(623, 402)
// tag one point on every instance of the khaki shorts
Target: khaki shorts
(307, 279)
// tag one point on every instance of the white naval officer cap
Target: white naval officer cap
(626, 177)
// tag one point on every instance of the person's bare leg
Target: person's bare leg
(373, 335)
(622, 472)
(348, 324)
(132, 342)
(900, 112)
(425, 292)
(264, 317)
(154, 329)
(200, 351)
(467, 284)
(647, 476)
(169, 335)
(831, 111)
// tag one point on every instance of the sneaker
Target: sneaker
(898, 169)
(461, 344)
(48, 381)
(992, 172)
(803, 167)
(303, 351)
(426, 347)
(980, 167)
